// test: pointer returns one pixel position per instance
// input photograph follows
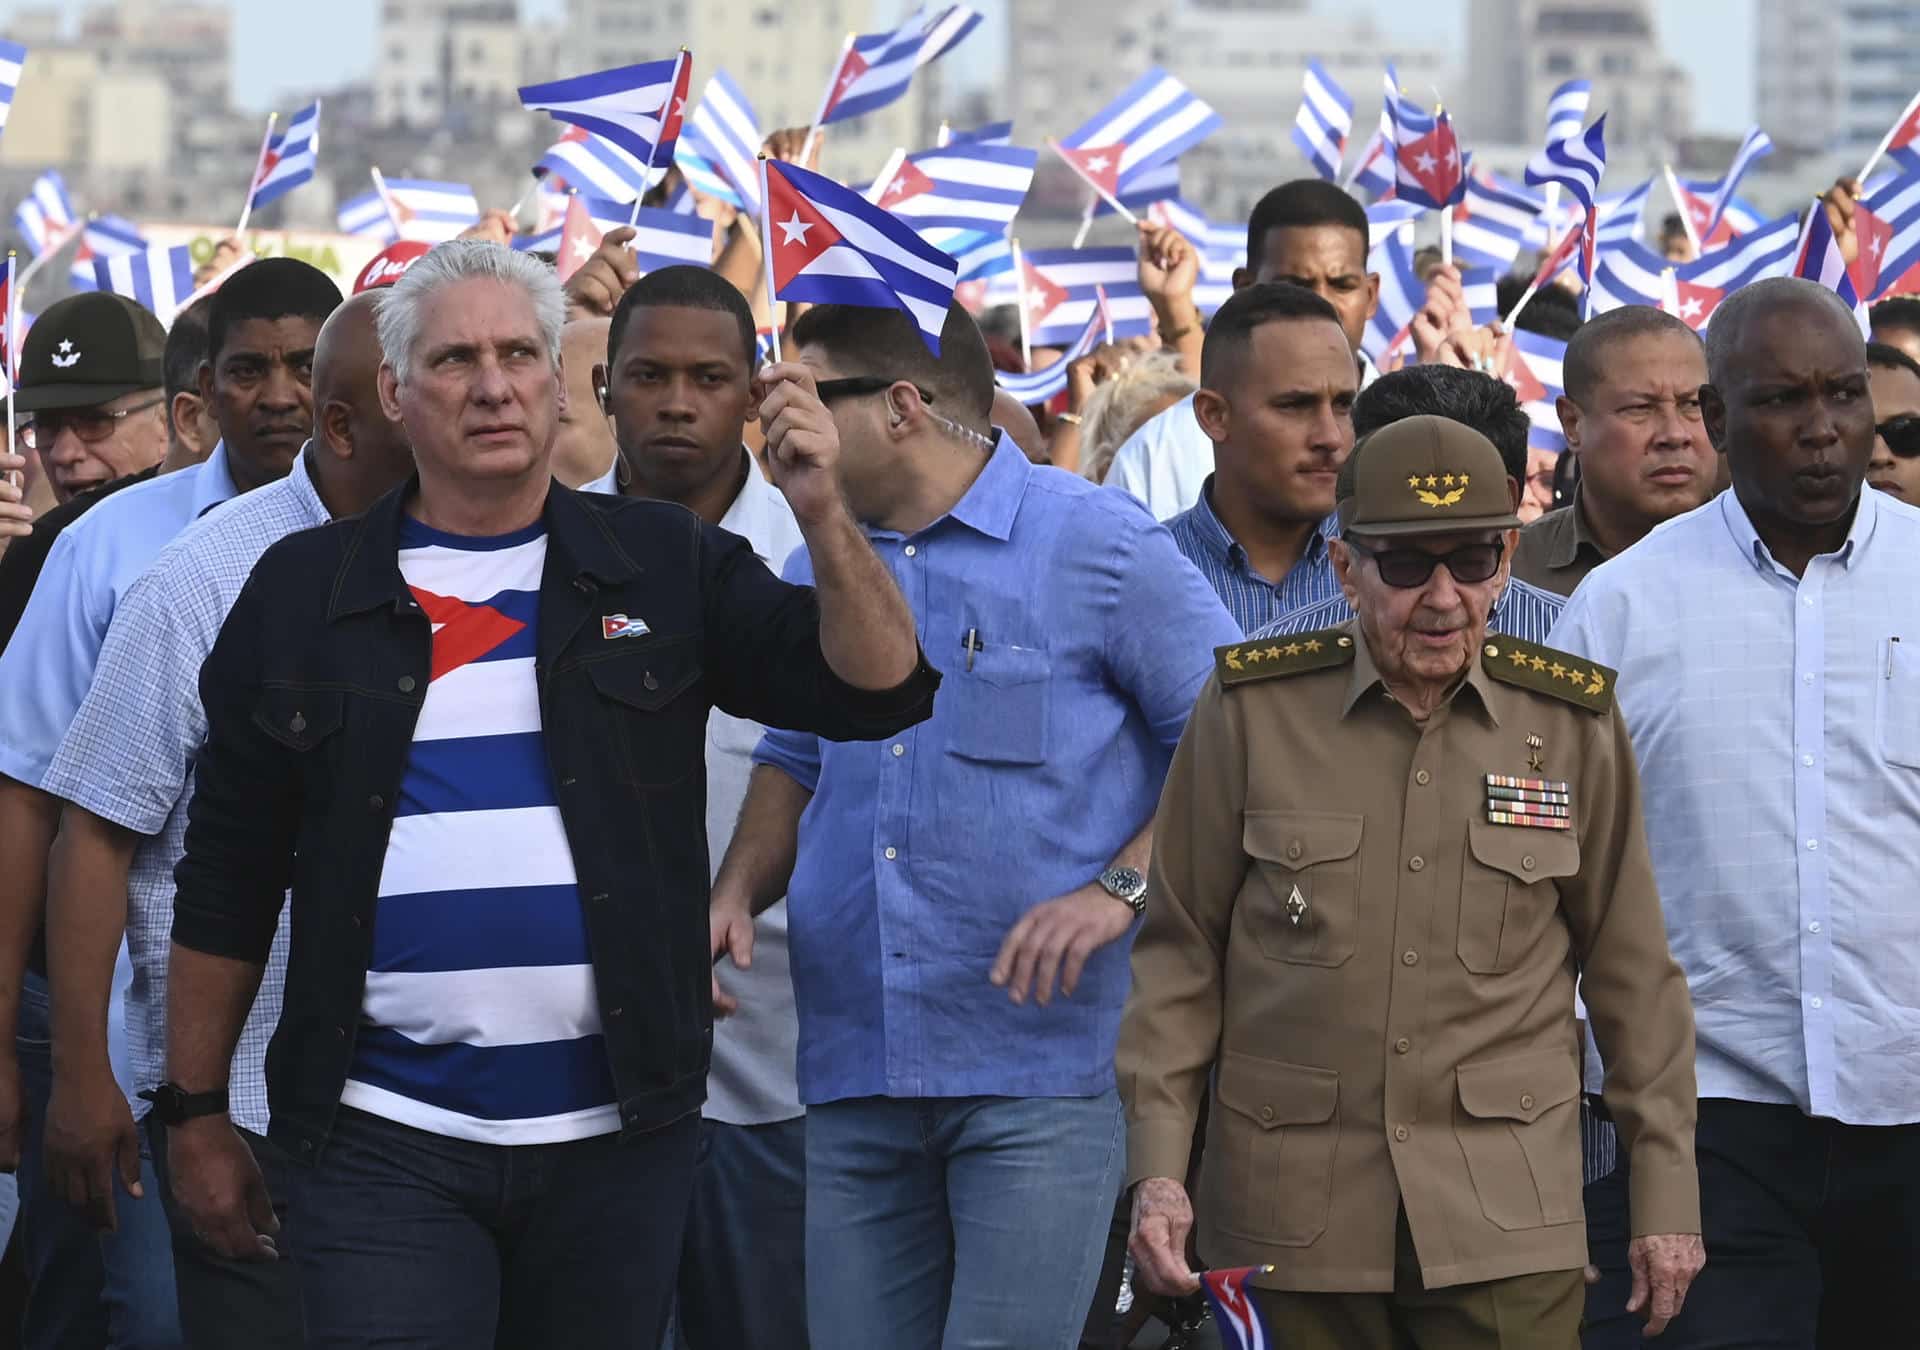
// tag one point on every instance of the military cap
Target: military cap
(1427, 475)
(87, 350)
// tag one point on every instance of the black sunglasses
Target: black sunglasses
(855, 385)
(1407, 569)
(1902, 434)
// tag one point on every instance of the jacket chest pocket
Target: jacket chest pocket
(1519, 1127)
(1507, 895)
(1303, 894)
(1900, 705)
(998, 709)
(1269, 1159)
(657, 725)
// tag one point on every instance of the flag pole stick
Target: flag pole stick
(1886, 141)
(826, 102)
(1020, 284)
(1086, 223)
(1105, 196)
(525, 198)
(1533, 289)
(13, 312)
(945, 137)
(1680, 205)
(1106, 315)
(1670, 291)
(887, 171)
(1446, 236)
(766, 254)
(653, 151)
(253, 183)
(386, 200)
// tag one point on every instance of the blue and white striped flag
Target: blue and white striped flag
(292, 155)
(1482, 288)
(1222, 250)
(1632, 274)
(1567, 110)
(366, 216)
(993, 133)
(103, 237)
(1538, 379)
(1036, 387)
(605, 215)
(597, 167)
(1063, 288)
(1755, 146)
(1154, 121)
(1577, 164)
(1401, 295)
(876, 68)
(962, 187)
(718, 151)
(1391, 217)
(1324, 121)
(12, 57)
(161, 279)
(46, 217)
(1495, 230)
(980, 253)
(1897, 204)
(639, 108)
(431, 211)
(664, 237)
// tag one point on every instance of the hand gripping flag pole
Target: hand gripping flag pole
(259, 167)
(766, 254)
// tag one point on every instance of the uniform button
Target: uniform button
(1526, 1101)
(1400, 1132)
(898, 749)
(1401, 1046)
(406, 684)
(892, 854)
(567, 782)
(296, 723)
(1266, 1113)
(1293, 850)
(910, 550)
(306, 1145)
(1526, 863)
(1808, 602)
(1409, 958)
(1416, 863)
(376, 802)
(1806, 679)
(598, 896)
(1423, 778)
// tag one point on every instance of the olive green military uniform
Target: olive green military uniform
(1557, 551)
(1365, 931)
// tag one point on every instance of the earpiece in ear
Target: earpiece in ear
(600, 397)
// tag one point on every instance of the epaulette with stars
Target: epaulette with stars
(1244, 661)
(1573, 679)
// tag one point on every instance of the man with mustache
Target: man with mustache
(1769, 656)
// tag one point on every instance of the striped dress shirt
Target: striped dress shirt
(1253, 600)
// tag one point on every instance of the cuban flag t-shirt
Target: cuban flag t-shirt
(480, 1019)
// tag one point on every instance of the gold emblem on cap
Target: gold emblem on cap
(1436, 500)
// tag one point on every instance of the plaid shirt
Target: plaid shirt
(128, 757)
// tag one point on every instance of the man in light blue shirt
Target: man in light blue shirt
(1765, 645)
(963, 896)
(257, 390)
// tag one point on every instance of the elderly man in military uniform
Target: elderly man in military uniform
(1383, 854)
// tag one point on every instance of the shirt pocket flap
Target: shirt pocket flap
(1521, 1088)
(299, 718)
(1272, 1093)
(1527, 855)
(651, 677)
(1298, 840)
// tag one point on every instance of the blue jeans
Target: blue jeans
(86, 1288)
(970, 1223)
(412, 1241)
(743, 1271)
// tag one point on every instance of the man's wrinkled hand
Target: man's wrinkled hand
(1663, 1268)
(1443, 313)
(803, 443)
(1089, 372)
(596, 288)
(1052, 941)
(1162, 1218)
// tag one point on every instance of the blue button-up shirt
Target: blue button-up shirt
(49, 664)
(1522, 611)
(1251, 598)
(1050, 737)
(1776, 721)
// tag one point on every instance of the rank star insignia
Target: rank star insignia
(1539, 663)
(1274, 653)
(1558, 671)
(1596, 682)
(1518, 658)
(1313, 645)
(1292, 649)
(1296, 908)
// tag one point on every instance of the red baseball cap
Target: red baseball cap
(390, 264)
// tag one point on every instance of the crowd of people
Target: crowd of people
(529, 825)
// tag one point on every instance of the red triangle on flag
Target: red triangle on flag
(578, 135)
(1908, 131)
(1433, 161)
(267, 166)
(852, 67)
(1044, 295)
(1696, 302)
(1099, 164)
(675, 112)
(1874, 237)
(1526, 385)
(908, 181)
(801, 232)
(579, 237)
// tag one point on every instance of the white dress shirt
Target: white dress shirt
(1776, 720)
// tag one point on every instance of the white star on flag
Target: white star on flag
(794, 229)
(1426, 163)
(583, 249)
(1692, 309)
(1097, 164)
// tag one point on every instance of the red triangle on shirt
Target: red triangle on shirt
(463, 633)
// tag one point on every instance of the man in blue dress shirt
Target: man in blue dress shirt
(963, 896)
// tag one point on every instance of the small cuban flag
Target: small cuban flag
(1241, 1326)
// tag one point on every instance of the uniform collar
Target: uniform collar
(1567, 534)
(1365, 677)
(1866, 515)
(993, 501)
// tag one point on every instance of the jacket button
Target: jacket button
(356, 921)
(1526, 1101)
(306, 1145)
(1401, 1046)
(1416, 863)
(1423, 778)
(650, 682)
(566, 782)
(1293, 849)
(376, 802)
(340, 1032)
(1409, 958)
(1400, 1133)
(1266, 1113)
(1526, 863)
(296, 723)
(406, 684)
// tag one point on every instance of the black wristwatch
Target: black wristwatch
(174, 1105)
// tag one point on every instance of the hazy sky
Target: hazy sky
(306, 45)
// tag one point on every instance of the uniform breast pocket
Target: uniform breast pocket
(1900, 704)
(1304, 893)
(1507, 896)
(998, 710)
(656, 722)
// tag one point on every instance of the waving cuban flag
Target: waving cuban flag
(289, 158)
(828, 245)
(161, 279)
(1894, 248)
(596, 166)
(876, 68)
(639, 108)
(1567, 109)
(46, 218)
(1154, 121)
(716, 152)
(1241, 1326)
(965, 186)
(1064, 286)
(1576, 165)
(101, 238)
(12, 57)
(1036, 387)
(1324, 121)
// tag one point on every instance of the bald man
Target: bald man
(583, 448)
(124, 776)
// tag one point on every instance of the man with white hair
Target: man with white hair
(468, 729)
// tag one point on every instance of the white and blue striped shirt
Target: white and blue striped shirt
(1522, 611)
(481, 1019)
(1251, 598)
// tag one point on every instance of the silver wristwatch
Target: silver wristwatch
(1127, 886)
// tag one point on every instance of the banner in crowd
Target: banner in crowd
(340, 256)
